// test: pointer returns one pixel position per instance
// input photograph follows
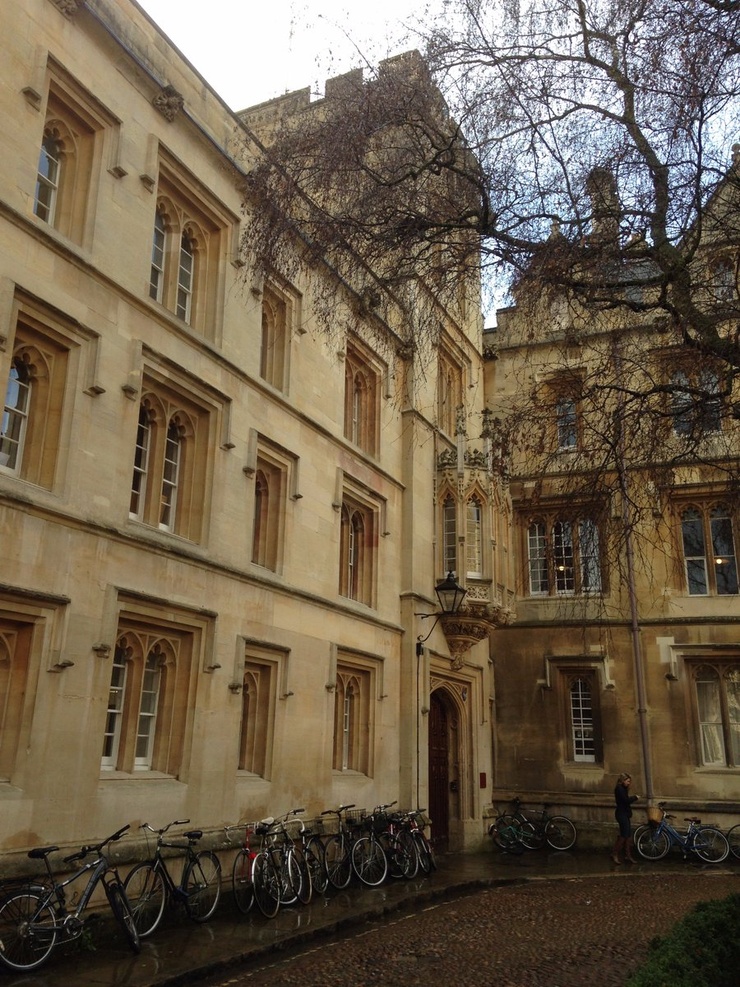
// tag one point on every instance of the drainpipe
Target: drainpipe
(637, 653)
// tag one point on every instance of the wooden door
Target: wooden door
(439, 773)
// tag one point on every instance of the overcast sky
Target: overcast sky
(253, 50)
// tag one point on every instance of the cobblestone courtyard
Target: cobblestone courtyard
(564, 933)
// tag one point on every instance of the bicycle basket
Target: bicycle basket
(356, 819)
(654, 815)
(378, 822)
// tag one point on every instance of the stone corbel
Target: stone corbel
(69, 7)
(168, 102)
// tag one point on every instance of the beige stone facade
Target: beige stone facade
(625, 655)
(219, 526)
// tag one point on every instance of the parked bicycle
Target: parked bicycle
(530, 829)
(34, 917)
(291, 866)
(255, 878)
(557, 831)
(422, 846)
(150, 885)
(512, 833)
(655, 840)
(398, 844)
(383, 850)
(310, 850)
(338, 846)
(733, 839)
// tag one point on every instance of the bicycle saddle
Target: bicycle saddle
(39, 852)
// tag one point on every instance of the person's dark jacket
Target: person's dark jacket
(624, 801)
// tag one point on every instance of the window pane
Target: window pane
(15, 415)
(255, 725)
(565, 412)
(260, 532)
(588, 535)
(538, 581)
(449, 523)
(474, 538)
(112, 736)
(274, 339)
(732, 686)
(709, 404)
(723, 280)
(582, 721)
(347, 718)
(170, 477)
(156, 277)
(696, 577)
(694, 551)
(562, 543)
(682, 402)
(355, 557)
(358, 400)
(352, 720)
(710, 717)
(47, 179)
(723, 550)
(148, 711)
(185, 278)
(141, 460)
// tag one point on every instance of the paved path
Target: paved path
(560, 933)
(542, 918)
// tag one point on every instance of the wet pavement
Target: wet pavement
(182, 952)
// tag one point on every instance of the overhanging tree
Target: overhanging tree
(573, 146)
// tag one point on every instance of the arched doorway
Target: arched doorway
(439, 770)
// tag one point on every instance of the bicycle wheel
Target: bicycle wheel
(119, 905)
(316, 868)
(505, 833)
(28, 930)
(146, 893)
(338, 862)
(409, 845)
(289, 875)
(711, 845)
(241, 879)
(369, 861)
(733, 839)
(201, 883)
(399, 859)
(560, 833)
(266, 882)
(652, 844)
(531, 835)
(424, 852)
(304, 891)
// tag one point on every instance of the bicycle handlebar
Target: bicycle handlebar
(161, 832)
(339, 811)
(96, 847)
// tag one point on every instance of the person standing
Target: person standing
(623, 814)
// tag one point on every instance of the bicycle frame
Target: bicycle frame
(99, 868)
(685, 841)
(159, 863)
(53, 893)
(35, 915)
(655, 841)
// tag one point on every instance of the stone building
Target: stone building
(625, 655)
(221, 529)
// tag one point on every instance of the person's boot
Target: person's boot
(617, 847)
(628, 845)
